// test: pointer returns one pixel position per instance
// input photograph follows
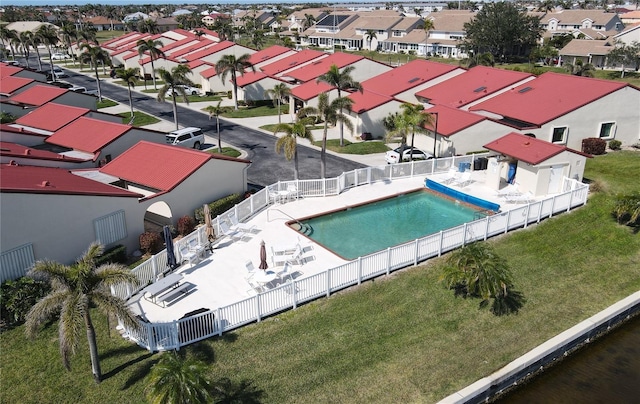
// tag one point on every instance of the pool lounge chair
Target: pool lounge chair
(284, 257)
(451, 176)
(508, 190)
(527, 197)
(232, 234)
(239, 226)
(463, 180)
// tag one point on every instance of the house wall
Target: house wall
(16, 110)
(620, 107)
(470, 139)
(104, 117)
(629, 36)
(365, 69)
(371, 121)
(255, 91)
(74, 99)
(68, 228)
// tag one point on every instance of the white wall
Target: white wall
(371, 121)
(473, 138)
(255, 91)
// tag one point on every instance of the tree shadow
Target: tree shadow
(140, 372)
(126, 350)
(125, 365)
(507, 304)
(225, 391)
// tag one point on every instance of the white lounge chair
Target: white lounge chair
(239, 226)
(186, 255)
(527, 197)
(233, 234)
(251, 270)
(283, 257)
(286, 272)
(508, 190)
(452, 175)
(292, 191)
(196, 247)
(463, 180)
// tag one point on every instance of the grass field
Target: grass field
(404, 338)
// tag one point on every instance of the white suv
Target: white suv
(187, 137)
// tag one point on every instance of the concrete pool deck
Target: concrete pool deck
(219, 279)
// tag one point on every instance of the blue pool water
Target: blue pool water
(372, 227)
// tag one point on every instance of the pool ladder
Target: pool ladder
(303, 228)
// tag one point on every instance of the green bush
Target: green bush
(627, 209)
(150, 242)
(615, 145)
(18, 296)
(229, 95)
(117, 254)
(220, 206)
(594, 145)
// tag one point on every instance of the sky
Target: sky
(44, 3)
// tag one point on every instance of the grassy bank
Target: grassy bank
(399, 339)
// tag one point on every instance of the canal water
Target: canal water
(606, 371)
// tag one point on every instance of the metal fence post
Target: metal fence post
(258, 308)
(526, 218)
(388, 260)
(415, 252)
(486, 229)
(441, 241)
(464, 234)
(506, 226)
(217, 322)
(328, 282)
(359, 270)
(553, 206)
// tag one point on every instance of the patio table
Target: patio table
(264, 277)
(158, 288)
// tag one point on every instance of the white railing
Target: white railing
(173, 335)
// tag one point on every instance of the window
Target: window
(559, 135)
(397, 33)
(607, 130)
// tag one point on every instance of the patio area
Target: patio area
(219, 278)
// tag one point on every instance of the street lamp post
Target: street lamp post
(435, 134)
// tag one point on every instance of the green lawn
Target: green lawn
(250, 112)
(404, 338)
(141, 119)
(226, 151)
(368, 147)
(106, 103)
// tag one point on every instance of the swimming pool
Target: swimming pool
(365, 229)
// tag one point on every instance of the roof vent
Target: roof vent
(524, 90)
(13, 163)
(45, 183)
(27, 152)
(413, 80)
(480, 89)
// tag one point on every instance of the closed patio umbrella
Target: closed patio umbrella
(168, 240)
(263, 256)
(208, 226)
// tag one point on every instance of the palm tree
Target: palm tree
(428, 26)
(152, 47)
(69, 34)
(216, 111)
(476, 270)
(26, 41)
(95, 55)
(49, 37)
(370, 35)
(415, 120)
(173, 82)
(330, 113)
(229, 64)
(309, 20)
(74, 290)
(8, 37)
(278, 93)
(289, 142)
(129, 76)
(341, 81)
(175, 379)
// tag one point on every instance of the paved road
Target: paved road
(267, 166)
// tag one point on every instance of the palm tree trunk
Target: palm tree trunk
(219, 140)
(279, 119)
(235, 90)
(95, 67)
(341, 127)
(175, 109)
(323, 152)
(295, 158)
(93, 348)
(130, 99)
(153, 75)
(413, 134)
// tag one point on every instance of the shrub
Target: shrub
(594, 145)
(18, 296)
(627, 209)
(117, 254)
(615, 144)
(219, 206)
(229, 94)
(150, 242)
(636, 145)
(186, 224)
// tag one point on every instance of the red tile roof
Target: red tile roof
(367, 101)
(158, 166)
(208, 73)
(8, 70)
(319, 67)
(10, 84)
(209, 50)
(310, 89)
(268, 53)
(452, 120)
(292, 61)
(38, 95)
(527, 149)
(130, 35)
(16, 150)
(51, 116)
(476, 83)
(88, 134)
(547, 97)
(47, 180)
(248, 78)
(407, 76)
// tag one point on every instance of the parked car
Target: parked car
(11, 62)
(59, 73)
(60, 56)
(61, 84)
(393, 156)
(187, 137)
(189, 90)
(83, 90)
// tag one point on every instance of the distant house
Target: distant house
(587, 51)
(567, 21)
